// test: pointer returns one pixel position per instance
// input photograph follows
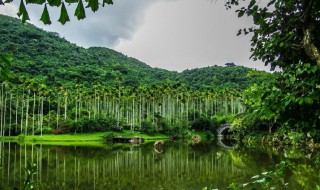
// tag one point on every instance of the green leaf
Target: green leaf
(271, 3)
(54, 3)
(40, 2)
(307, 65)
(239, 32)
(252, 3)
(314, 68)
(23, 11)
(109, 2)
(281, 44)
(241, 13)
(298, 72)
(21, 8)
(287, 103)
(6, 1)
(45, 18)
(71, 1)
(64, 17)
(94, 5)
(308, 100)
(80, 13)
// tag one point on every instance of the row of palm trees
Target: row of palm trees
(31, 106)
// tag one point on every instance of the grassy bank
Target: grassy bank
(87, 137)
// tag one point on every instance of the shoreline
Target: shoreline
(87, 138)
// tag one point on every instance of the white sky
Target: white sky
(170, 34)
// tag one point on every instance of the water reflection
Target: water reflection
(179, 165)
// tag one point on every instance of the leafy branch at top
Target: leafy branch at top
(283, 32)
(64, 16)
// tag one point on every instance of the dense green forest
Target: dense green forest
(58, 87)
(52, 60)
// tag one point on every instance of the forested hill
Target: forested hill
(49, 59)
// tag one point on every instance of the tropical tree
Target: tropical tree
(285, 34)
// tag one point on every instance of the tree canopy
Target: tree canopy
(64, 15)
(284, 32)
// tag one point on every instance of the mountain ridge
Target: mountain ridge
(52, 60)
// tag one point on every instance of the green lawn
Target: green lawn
(88, 139)
(82, 137)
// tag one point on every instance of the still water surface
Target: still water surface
(179, 165)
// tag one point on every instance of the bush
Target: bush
(13, 130)
(45, 130)
(21, 137)
(202, 124)
(219, 120)
(163, 125)
(247, 123)
(209, 135)
(99, 124)
(148, 127)
(175, 133)
(108, 137)
(58, 132)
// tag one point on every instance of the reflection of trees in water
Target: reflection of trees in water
(179, 166)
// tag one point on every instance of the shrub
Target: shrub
(13, 130)
(175, 132)
(99, 124)
(45, 130)
(148, 127)
(21, 138)
(209, 135)
(108, 137)
(202, 124)
(58, 132)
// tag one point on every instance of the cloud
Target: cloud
(9, 9)
(103, 28)
(187, 34)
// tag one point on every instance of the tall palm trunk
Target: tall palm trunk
(58, 112)
(22, 106)
(49, 118)
(41, 116)
(33, 111)
(27, 113)
(65, 105)
(17, 108)
(4, 114)
(118, 109)
(140, 110)
(2, 110)
(10, 114)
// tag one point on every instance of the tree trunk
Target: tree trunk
(308, 30)
(33, 111)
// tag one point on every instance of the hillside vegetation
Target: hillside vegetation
(50, 59)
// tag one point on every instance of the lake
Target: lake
(178, 165)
